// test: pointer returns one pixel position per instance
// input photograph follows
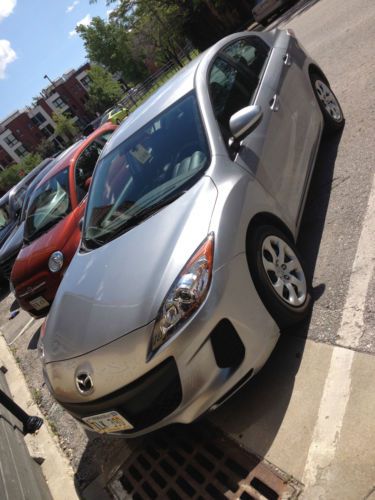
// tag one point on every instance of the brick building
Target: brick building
(24, 130)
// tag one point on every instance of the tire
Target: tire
(284, 292)
(333, 115)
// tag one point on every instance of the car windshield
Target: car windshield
(49, 204)
(16, 201)
(146, 172)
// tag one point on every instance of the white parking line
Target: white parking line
(336, 390)
(29, 323)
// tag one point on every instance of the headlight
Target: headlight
(55, 262)
(186, 294)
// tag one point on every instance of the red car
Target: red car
(52, 229)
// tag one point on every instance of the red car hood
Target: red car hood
(34, 256)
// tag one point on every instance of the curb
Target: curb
(55, 467)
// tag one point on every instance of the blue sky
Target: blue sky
(37, 38)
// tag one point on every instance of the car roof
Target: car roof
(173, 90)
(25, 181)
(74, 151)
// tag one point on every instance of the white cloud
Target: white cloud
(84, 22)
(7, 55)
(6, 8)
(72, 6)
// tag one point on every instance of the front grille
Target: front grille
(7, 265)
(143, 402)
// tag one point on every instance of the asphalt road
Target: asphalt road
(340, 35)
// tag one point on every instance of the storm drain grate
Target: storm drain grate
(198, 463)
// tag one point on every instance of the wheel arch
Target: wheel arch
(313, 68)
(267, 218)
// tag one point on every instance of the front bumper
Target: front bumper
(189, 374)
(44, 284)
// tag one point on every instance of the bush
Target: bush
(13, 174)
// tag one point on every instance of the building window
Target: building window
(48, 130)
(38, 119)
(58, 103)
(69, 113)
(10, 140)
(86, 80)
(21, 151)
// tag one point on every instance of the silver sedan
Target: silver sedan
(187, 269)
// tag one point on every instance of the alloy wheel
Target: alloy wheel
(284, 271)
(328, 100)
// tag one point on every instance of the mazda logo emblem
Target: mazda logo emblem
(84, 383)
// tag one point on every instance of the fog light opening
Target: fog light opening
(227, 346)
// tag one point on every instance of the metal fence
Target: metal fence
(140, 92)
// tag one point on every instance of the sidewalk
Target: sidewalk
(20, 475)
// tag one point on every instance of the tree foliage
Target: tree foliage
(109, 44)
(141, 35)
(65, 127)
(103, 91)
(14, 173)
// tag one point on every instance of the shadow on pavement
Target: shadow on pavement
(264, 399)
(33, 344)
(294, 11)
(4, 290)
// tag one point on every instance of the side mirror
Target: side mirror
(243, 122)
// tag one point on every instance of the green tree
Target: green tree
(108, 44)
(46, 149)
(15, 172)
(103, 91)
(65, 127)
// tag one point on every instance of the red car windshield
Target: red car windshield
(49, 204)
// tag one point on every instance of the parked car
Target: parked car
(13, 244)
(265, 9)
(188, 267)
(116, 114)
(11, 202)
(52, 232)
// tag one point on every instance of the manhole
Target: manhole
(198, 462)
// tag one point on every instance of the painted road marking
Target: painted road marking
(336, 390)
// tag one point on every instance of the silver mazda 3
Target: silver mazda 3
(187, 269)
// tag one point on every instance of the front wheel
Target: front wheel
(278, 275)
(333, 115)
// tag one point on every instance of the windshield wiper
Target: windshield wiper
(133, 221)
(147, 212)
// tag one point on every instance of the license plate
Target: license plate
(110, 421)
(39, 303)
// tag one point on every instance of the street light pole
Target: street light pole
(49, 79)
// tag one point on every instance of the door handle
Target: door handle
(275, 103)
(287, 60)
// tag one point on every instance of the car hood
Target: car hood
(119, 287)
(14, 242)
